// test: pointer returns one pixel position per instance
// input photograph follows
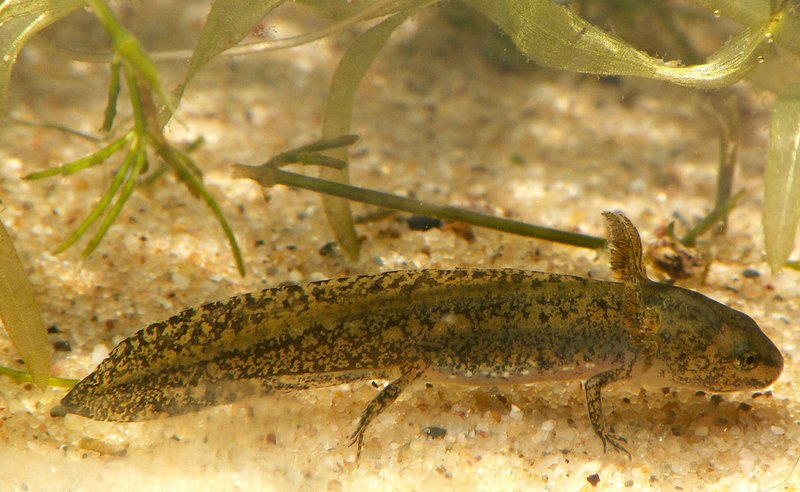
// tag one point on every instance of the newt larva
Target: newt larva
(469, 326)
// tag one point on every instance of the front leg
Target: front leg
(594, 403)
(385, 398)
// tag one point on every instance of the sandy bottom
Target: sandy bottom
(439, 122)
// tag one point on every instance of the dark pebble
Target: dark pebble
(751, 273)
(593, 479)
(329, 249)
(435, 432)
(58, 411)
(423, 223)
(53, 329)
(716, 399)
(62, 346)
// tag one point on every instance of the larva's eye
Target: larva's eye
(747, 361)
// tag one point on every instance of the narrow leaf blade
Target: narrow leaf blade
(20, 313)
(338, 116)
(782, 179)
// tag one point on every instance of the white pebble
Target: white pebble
(163, 301)
(181, 281)
(99, 352)
(548, 425)
(747, 461)
(778, 431)
(12, 163)
(515, 413)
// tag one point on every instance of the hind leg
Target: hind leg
(386, 397)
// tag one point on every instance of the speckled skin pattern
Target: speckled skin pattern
(472, 326)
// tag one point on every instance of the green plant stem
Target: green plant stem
(119, 178)
(267, 176)
(127, 47)
(113, 95)
(91, 160)
(26, 378)
(183, 167)
(716, 215)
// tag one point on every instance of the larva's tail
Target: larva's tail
(156, 395)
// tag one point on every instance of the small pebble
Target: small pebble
(316, 276)
(53, 329)
(778, 431)
(423, 223)
(163, 302)
(435, 432)
(701, 431)
(99, 352)
(62, 346)
(329, 249)
(593, 479)
(58, 411)
(181, 281)
(295, 277)
(751, 273)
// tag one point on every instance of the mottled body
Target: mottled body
(472, 326)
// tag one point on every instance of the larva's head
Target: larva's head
(706, 345)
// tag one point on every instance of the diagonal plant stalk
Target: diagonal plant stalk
(270, 174)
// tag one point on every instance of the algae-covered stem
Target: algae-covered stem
(269, 174)
(470, 326)
(439, 211)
